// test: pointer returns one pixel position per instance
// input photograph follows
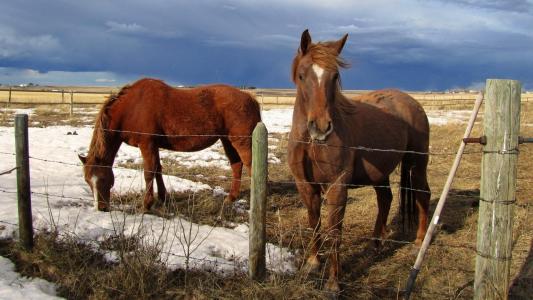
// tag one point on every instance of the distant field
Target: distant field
(96, 95)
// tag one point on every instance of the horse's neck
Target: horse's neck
(105, 158)
(299, 118)
(344, 107)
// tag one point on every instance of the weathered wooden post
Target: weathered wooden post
(9, 97)
(71, 103)
(23, 181)
(258, 193)
(498, 183)
(62, 96)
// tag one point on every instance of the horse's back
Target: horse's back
(151, 102)
(385, 119)
(199, 114)
(399, 105)
(240, 110)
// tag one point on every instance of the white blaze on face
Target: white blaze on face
(319, 72)
(94, 181)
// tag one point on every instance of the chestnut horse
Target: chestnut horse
(150, 115)
(336, 143)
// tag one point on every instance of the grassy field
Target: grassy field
(95, 95)
(447, 272)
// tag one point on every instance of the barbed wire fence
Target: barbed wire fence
(421, 290)
(401, 242)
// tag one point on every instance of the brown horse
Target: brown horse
(336, 143)
(150, 115)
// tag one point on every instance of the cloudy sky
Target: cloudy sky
(407, 44)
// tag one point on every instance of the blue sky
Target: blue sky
(408, 44)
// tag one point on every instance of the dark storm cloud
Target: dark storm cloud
(406, 44)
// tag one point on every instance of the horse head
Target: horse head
(100, 179)
(315, 71)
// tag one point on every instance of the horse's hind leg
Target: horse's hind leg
(161, 190)
(236, 167)
(422, 195)
(384, 197)
(150, 154)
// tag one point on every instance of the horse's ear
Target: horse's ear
(82, 158)
(338, 45)
(305, 42)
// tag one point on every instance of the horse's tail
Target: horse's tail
(256, 108)
(407, 197)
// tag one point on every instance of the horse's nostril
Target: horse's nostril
(329, 127)
(311, 124)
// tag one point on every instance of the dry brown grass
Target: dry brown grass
(50, 115)
(447, 272)
(82, 273)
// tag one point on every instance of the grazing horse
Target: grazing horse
(336, 143)
(150, 115)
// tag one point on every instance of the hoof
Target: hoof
(376, 250)
(332, 286)
(225, 210)
(312, 265)
(378, 245)
(418, 242)
(103, 207)
(162, 198)
(229, 199)
(414, 249)
(147, 205)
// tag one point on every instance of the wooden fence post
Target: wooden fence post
(258, 193)
(9, 98)
(23, 181)
(62, 96)
(442, 200)
(71, 103)
(498, 183)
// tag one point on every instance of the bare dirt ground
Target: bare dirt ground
(448, 269)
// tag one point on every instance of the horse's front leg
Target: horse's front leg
(150, 155)
(310, 196)
(336, 202)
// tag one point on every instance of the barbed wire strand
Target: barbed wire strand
(345, 233)
(8, 171)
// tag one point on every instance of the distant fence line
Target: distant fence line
(277, 97)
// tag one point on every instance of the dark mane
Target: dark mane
(98, 141)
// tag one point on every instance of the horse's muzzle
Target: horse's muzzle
(316, 133)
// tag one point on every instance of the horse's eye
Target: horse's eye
(301, 76)
(335, 76)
